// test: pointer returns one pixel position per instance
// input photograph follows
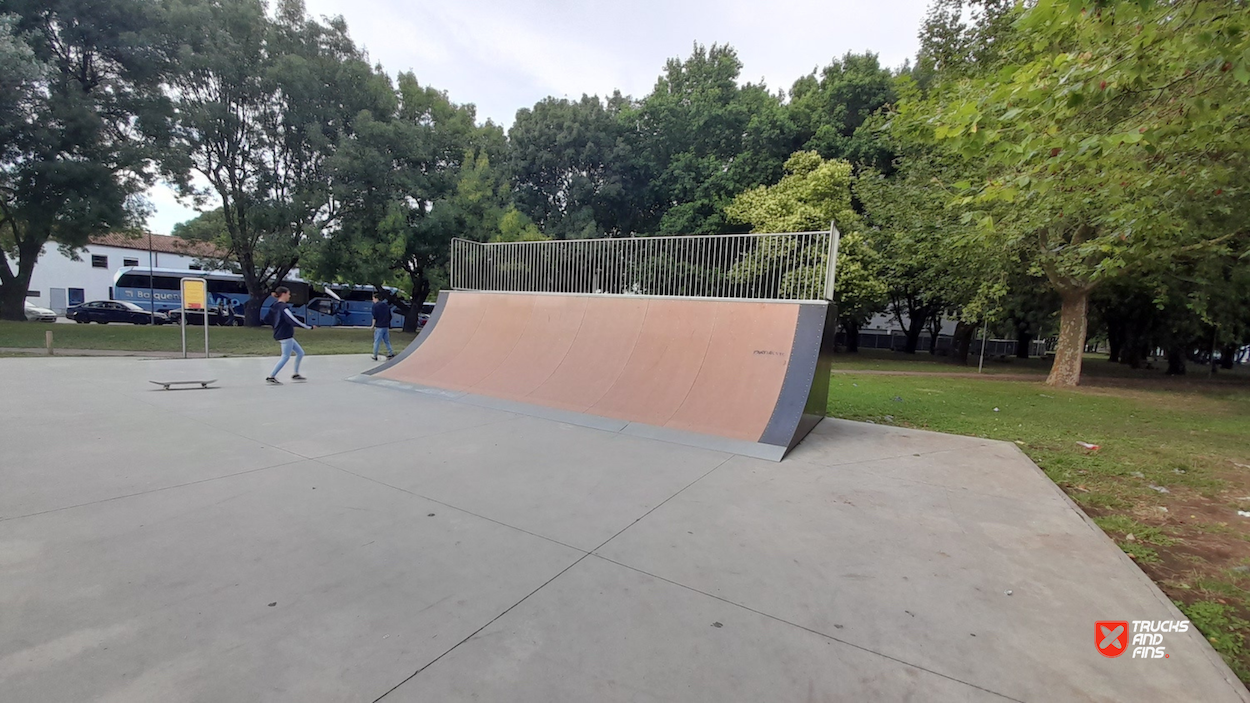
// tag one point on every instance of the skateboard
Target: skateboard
(167, 384)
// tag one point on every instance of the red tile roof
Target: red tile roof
(164, 244)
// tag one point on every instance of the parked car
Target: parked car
(216, 316)
(106, 311)
(38, 314)
(424, 315)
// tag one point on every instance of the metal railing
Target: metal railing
(791, 266)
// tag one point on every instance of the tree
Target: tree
(409, 181)
(1115, 134)
(206, 227)
(573, 168)
(1196, 308)
(813, 193)
(1128, 313)
(81, 114)
(483, 205)
(961, 38)
(931, 263)
(263, 104)
(704, 138)
(828, 110)
(1028, 306)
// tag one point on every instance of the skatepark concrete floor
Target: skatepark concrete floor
(336, 541)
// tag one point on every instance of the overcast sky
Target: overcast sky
(504, 55)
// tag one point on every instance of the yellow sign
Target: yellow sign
(194, 294)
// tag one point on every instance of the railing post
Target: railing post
(831, 267)
(453, 266)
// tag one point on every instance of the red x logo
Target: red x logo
(1111, 637)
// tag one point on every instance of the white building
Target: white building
(59, 281)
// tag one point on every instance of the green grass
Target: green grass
(1096, 366)
(1129, 531)
(1224, 630)
(1173, 440)
(885, 360)
(1141, 553)
(1187, 442)
(232, 341)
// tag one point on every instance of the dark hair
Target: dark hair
(377, 295)
(277, 292)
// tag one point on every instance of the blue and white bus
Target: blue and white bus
(350, 305)
(324, 306)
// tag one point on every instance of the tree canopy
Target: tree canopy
(1040, 167)
(263, 104)
(813, 195)
(1113, 137)
(82, 115)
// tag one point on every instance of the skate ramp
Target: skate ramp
(743, 376)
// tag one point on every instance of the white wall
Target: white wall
(55, 270)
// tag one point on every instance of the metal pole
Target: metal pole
(151, 284)
(182, 319)
(984, 336)
(205, 319)
(831, 268)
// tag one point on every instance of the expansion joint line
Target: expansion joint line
(548, 581)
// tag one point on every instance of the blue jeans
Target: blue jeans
(288, 346)
(382, 334)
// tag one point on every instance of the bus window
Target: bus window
(323, 306)
(132, 280)
(227, 287)
(140, 280)
(299, 292)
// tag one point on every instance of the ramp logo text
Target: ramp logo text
(1145, 638)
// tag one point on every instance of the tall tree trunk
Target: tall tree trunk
(1176, 361)
(251, 310)
(1073, 320)
(1024, 338)
(1211, 353)
(13, 285)
(1115, 341)
(1133, 353)
(935, 329)
(1226, 356)
(851, 327)
(420, 291)
(915, 325)
(963, 341)
(12, 301)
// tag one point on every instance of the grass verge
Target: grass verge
(231, 341)
(1096, 367)
(1171, 472)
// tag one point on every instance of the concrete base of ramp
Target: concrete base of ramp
(748, 376)
(310, 542)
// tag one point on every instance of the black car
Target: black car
(216, 316)
(106, 311)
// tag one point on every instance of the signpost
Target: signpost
(194, 297)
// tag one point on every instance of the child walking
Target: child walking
(381, 326)
(284, 322)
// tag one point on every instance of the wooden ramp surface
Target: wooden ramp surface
(712, 367)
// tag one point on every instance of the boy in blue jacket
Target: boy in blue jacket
(381, 326)
(284, 322)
